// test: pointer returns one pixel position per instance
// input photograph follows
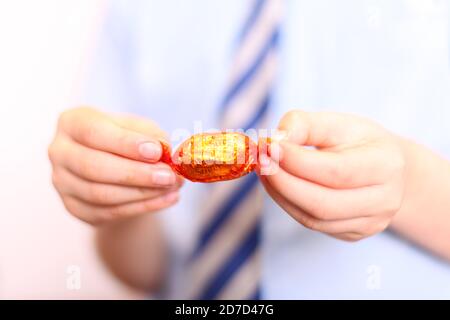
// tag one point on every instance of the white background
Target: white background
(43, 48)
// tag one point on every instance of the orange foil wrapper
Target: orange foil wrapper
(211, 157)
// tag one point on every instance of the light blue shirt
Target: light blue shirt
(383, 59)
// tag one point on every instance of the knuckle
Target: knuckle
(321, 210)
(85, 110)
(143, 191)
(88, 133)
(292, 114)
(340, 173)
(295, 114)
(129, 177)
(292, 118)
(380, 226)
(51, 152)
(368, 228)
(113, 213)
(56, 181)
(85, 168)
(73, 207)
(70, 205)
(95, 221)
(391, 205)
(59, 182)
(308, 222)
(64, 117)
(122, 137)
(150, 205)
(155, 204)
(372, 227)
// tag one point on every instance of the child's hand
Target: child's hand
(107, 167)
(349, 186)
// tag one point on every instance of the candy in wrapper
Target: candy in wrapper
(211, 157)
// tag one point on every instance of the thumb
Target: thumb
(336, 161)
(322, 129)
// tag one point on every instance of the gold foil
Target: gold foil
(210, 157)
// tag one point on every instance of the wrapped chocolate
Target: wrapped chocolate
(211, 157)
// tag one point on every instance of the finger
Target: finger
(346, 169)
(352, 236)
(102, 167)
(94, 214)
(294, 211)
(104, 194)
(325, 203)
(348, 236)
(96, 130)
(357, 225)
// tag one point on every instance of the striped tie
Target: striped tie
(225, 263)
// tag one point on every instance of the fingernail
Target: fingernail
(150, 150)
(163, 178)
(267, 167)
(264, 161)
(275, 152)
(170, 197)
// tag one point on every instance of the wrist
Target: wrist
(414, 182)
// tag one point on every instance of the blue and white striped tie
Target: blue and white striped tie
(226, 261)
